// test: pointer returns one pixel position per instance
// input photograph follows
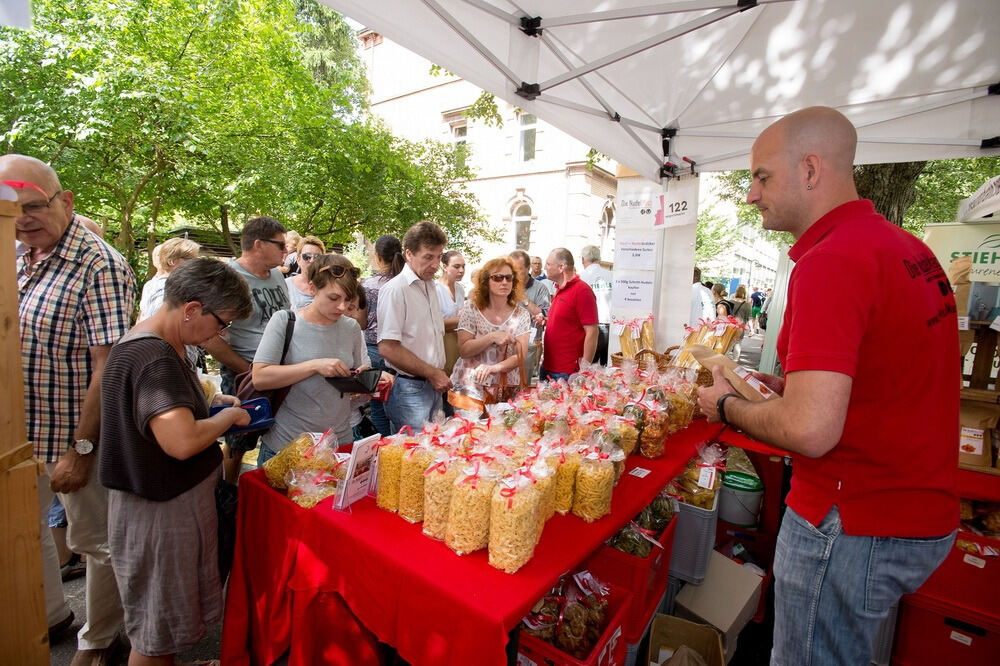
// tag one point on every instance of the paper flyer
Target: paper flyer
(360, 471)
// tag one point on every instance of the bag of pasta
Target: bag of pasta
(595, 481)
(468, 528)
(308, 487)
(652, 441)
(584, 615)
(390, 461)
(309, 451)
(544, 616)
(513, 520)
(623, 431)
(566, 463)
(439, 482)
(544, 477)
(702, 477)
(417, 457)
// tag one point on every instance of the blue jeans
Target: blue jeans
(411, 402)
(547, 376)
(377, 408)
(832, 590)
(57, 514)
(264, 454)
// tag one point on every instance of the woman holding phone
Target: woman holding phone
(325, 343)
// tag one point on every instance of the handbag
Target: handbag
(762, 321)
(492, 394)
(245, 390)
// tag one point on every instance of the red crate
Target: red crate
(608, 651)
(644, 577)
(968, 581)
(930, 632)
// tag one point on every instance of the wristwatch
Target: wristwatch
(83, 446)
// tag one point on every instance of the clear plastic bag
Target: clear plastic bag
(416, 459)
(468, 528)
(513, 519)
(439, 482)
(307, 488)
(390, 462)
(309, 451)
(652, 441)
(595, 482)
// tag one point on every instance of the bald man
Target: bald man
(868, 407)
(75, 299)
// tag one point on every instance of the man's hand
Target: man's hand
(708, 396)
(331, 367)
(773, 382)
(71, 472)
(440, 381)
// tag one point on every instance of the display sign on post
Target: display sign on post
(633, 292)
(360, 470)
(638, 206)
(636, 252)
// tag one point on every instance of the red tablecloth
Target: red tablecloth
(736, 438)
(325, 583)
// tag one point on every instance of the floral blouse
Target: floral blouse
(471, 320)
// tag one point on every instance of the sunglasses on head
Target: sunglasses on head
(502, 277)
(339, 271)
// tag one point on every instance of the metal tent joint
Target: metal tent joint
(746, 4)
(990, 143)
(529, 91)
(531, 26)
(993, 89)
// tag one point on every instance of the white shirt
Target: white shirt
(409, 311)
(600, 280)
(450, 308)
(702, 304)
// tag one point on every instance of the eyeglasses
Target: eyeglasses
(280, 244)
(339, 271)
(309, 256)
(34, 207)
(502, 277)
(222, 324)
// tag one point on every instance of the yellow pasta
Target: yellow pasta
(439, 482)
(513, 511)
(468, 527)
(565, 483)
(390, 461)
(411, 483)
(594, 485)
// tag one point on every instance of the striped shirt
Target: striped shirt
(80, 296)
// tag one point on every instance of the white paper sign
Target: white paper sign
(638, 207)
(640, 472)
(963, 323)
(634, 293)
(679, 204)
(360, 470)
(636, 253)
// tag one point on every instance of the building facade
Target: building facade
(534, 183)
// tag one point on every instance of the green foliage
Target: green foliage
(159, 111)
(486, 110)
(942, 185)
(715, 236)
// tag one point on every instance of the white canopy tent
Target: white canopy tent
(699, 79)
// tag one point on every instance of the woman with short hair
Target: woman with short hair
(299, 293)
(167, 256)
(160, 460)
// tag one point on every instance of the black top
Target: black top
(145, 377)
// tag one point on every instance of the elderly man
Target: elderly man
(571, 329)
(868, 407)
(600, 280)
(262, 242)
(411, 330)
(76, 295)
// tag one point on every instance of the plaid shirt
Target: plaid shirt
(80, 296)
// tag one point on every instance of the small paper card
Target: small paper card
(996, 324)
(360, 470)
(963, 323)
(640, 472)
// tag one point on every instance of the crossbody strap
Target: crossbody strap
(289, 329)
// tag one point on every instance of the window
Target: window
(608, 229)
(459, 137)
(526, 141)
(522, 227)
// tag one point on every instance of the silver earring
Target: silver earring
(809, 186)
(187, 318)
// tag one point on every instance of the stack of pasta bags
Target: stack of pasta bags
(561, 449)
(718, 335)
(308, 468)
(572, 615)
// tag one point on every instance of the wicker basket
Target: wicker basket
(704, 374)
(646, 359)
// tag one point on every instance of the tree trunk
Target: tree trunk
(151, 237)
(891, 187)
(226, 236)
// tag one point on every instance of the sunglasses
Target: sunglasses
(309, 256)
(280, 244)
(339, 271)
(502, 277)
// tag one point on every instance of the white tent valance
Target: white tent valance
(699, 79)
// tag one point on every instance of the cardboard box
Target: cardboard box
(741, 378)
(976, 423)
(726, 600)
(669, 632)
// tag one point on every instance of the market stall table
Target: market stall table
(325, 583)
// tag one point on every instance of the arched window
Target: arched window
(522, 227)
(607, 223)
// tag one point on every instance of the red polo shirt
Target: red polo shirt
(869, 300)
(573, 307)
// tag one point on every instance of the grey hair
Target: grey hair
(212, 283)
(590, 253)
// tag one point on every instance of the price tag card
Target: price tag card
(706, 477)
(640, 472)
(963, 323)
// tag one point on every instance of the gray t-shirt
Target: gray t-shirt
(268, 296)
(313, 404)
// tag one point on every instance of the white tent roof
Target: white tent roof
(915, 77)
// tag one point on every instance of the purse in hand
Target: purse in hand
(501, 392)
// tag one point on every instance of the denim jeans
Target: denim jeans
(264, 454)
(411, 402)
(832, 590)
(376, 407)
(546, 376)
(57, 514)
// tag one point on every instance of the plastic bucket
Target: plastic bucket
(740, 499)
